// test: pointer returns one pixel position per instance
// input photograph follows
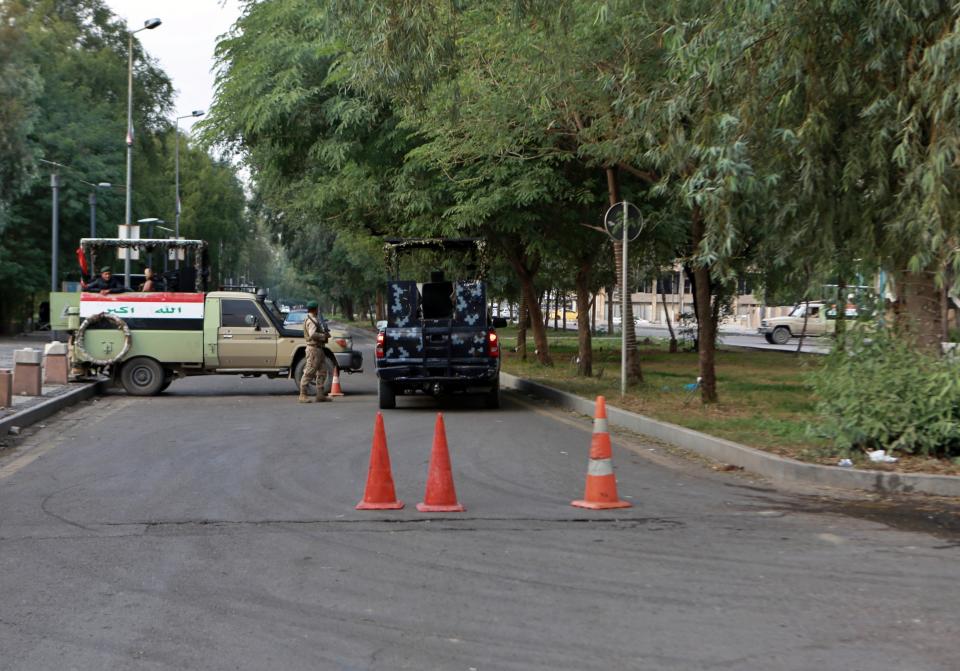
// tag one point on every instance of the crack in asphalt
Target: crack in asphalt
(448, 524)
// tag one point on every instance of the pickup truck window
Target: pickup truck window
(234, 312)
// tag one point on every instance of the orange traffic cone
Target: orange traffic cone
(440, 497)
(335, 389)
(601, 490)
(379, 494)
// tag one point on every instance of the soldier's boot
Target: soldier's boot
(304, 398)
(322, 395)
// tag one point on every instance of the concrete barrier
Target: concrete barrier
(56, 369)
(27, 372)
(6, 388)
(770, 465)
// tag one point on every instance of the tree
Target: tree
(324, 159)
(68, 62)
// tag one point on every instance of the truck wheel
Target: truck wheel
(142, 376)
(331, 365)
(768, 338)
(387, 395)
(311, 388)
(781, 335)
(492, 398)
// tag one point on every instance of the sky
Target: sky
(183, 43)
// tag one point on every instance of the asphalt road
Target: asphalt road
(214, 528)
(733, 338)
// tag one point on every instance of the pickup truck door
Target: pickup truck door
(816, 321)
(246, 339)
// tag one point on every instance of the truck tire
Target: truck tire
(142, 376)
(492, 398)
(387, 395)
(781, 335)
(117, 323)
(768, 338)
(311, 390)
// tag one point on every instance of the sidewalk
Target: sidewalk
(28, 409)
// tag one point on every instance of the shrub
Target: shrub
(879, 392)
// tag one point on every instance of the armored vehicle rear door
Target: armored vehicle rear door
(469, 329)
(403, 337)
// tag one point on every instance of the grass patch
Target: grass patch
(764, 399)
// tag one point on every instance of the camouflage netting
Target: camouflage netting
(93, 245)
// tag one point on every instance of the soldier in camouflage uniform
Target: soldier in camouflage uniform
(316, 335)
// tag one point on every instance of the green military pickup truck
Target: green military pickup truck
(145, 340)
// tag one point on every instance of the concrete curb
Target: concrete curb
(778, 469)
(32, 415)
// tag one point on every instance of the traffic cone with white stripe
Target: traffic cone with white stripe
(335, 389)
(379, 494)
(601, 490)
(441, 496)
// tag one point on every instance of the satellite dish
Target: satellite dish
(617, 215)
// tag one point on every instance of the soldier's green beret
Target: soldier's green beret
(106, 269)
(313, 305)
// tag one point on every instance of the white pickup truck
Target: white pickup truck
(821, 320)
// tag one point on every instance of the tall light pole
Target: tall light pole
(149, 24)
(176, 153)
(93, 203)
(55, 232)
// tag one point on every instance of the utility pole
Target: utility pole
(55, 233)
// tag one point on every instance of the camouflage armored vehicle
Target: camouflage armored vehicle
(438, 337)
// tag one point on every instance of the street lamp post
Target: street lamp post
(93, 204)
(55, 233)
(149, 24)
(176, 153)
(151, 222)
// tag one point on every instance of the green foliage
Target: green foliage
(63, 91)
(878, 392)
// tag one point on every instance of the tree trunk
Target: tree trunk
(692, 281)
(803, 330)
(346, 304)
(522, 319)
(706, 326)
(536, 321)
(593, 314)
(525, 274)
(584, 337)
(609, 311)
(919, 318)
(840, 328)
(945, 313)
(666, 315)
(381, 307)
(556, 302)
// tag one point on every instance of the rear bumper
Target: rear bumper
(349, 362)
(454, 377)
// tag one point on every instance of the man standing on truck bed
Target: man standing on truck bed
(314, 371)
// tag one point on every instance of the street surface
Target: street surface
(729, 336)
(213, 527)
